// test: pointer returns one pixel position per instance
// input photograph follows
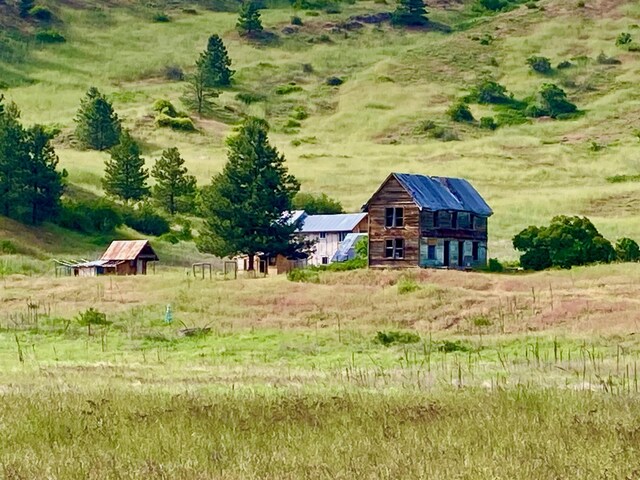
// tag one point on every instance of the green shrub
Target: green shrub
(553, 100)
(460, 112)
(90, 216)
(161, 17)
(287, 89)
(92, 316)
(407, 285)
(303, 275)
(165, 106)
(495, 266)
(633, 47)
(334, 81)
(448, 346)
(391, 337)
(249, 97)
(627, 250)
(300, 113)
(7, 248)
(540, 64)
(42, 14)
(488, 123)
(624, 39)
(174, 73)
(50, 36)
(180, 123)
(489, 92)
(295, 20)
(564, 65)
(146, 220)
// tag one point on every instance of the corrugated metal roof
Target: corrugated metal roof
(126, 250)
(346, 249)
(342, 222)
(443, 193)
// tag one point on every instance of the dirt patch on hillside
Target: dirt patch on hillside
(623, 204)
(592, 9)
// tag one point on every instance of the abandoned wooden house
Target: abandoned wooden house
(417, 220)
(123, 257)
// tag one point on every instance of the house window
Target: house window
(342, 236)
(472, 220)
(325, 260)
(454, 220)
(394, 248)
(436, 220)
(394, 217)
(431, 252)
(323, 234)
(476, 249)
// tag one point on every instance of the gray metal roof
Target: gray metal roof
(443, 193)
(342, 222)
(346, 249)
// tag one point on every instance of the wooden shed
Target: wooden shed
(123, 257)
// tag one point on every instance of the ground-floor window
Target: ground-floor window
(476, 249)
(394, 248)
(431, 252)
(325, 260)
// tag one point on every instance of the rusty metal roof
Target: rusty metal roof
(128, 250)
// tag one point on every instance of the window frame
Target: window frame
(431, 252)
(394, 248)
(322, 235)
(394, 217)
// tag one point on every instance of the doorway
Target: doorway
(447, 253)
(460, 254)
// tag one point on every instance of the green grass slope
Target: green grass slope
(357, 133)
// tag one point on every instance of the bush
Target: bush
(627, 250)
(50, 36)
(334, 81)
(602, 59)
(287, 89)
(90, 216)
(389, 338)
(566, 242)
(249, 97)
(540, 64)
(295, 20)
(448, 346)
(166, 107)
(303, 275)
(460, 112)
(495, 266)
(146, 220)
(623, 39)
(493, 5)
(174, 73)
(92, 317)
(553, 100)
(407, 285)
(300, 113)
(161, 17)
(488, 123)
(564, 65)
(489, 92)
(42, 14)
(180, 123)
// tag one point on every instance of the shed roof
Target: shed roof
(443, 193)
(342, 222)
(129, 250)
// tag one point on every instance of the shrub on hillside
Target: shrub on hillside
(566, 242)
(460, 112)
(90, 216)
(174, 73)
(624, 39)
(303, 275)
(161, 17)
(488, 123)
(540, 64)
(146, 220)
(250, 97)
(42, 14)
(407, 285)
(180, 123)
(553, 101)
(627, 250)
(50, 36)
(391, 337)
(603, 59)
(489, 92)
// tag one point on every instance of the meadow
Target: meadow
(418, 374)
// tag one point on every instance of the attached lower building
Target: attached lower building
(418, 220)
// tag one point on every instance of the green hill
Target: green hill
(398, 86)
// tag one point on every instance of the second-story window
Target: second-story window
(394, 217)
(323, 234)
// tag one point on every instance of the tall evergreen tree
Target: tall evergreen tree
(25, 6)
(14, 156)
(216, 63)
(125, 176)
(97, 125)
(247, 205)
(249, 23)
(410, 13)
(199, 95)
(44, 186)
(174, 189)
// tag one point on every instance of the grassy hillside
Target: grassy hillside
(394, 80)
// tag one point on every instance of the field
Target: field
(491, 376)
(361, 374)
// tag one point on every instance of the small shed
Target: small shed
(123, 257)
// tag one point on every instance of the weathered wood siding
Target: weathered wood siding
(392, 194)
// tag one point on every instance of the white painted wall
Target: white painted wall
(324, 247)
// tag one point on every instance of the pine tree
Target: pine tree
(216, 63)
(247, 205)
(97, 125)
(125, 176)
(199, 95)
(14, 156)
(25, 6)
(44, 186)
(410, 13)
(249, 23)
(174, 189)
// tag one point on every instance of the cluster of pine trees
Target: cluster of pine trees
(30, 184)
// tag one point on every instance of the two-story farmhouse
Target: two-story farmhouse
(417, 220)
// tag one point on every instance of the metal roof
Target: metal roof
(342, 222)
(127, 250)
(346, 249)
(443, 193)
